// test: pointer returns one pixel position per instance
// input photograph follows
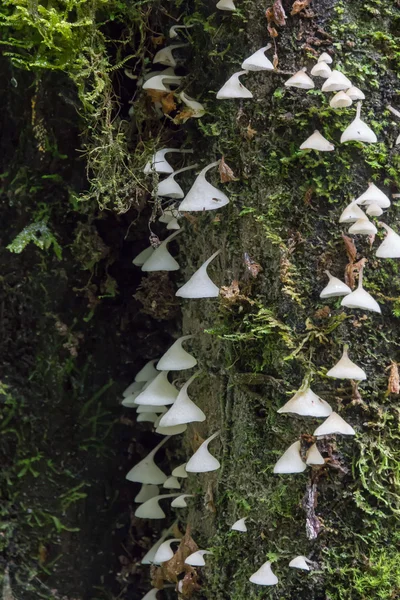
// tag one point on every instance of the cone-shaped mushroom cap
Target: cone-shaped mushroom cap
(183, 410)
(240, 525)
(300, 80)
(173, 430)
(180, 502)
(141, 408)
(196, 559)
(158, 162)
(160, 392)
(151, 595)
(200, 285)
(373, 195)
(161, 259)
(180, 471)
(141, 258)
(374, 210)
(147, 373)
(202, 461)
(325, 57)
(358, 131)
(130, 401)
(360, 298)
(306, 404)
(169, 188)
(147, 417)
(336, 82)
(314, 457)
(165, 56)
(233, 88)
(390, 247)
(173, 224)
(346, 369)
(258, 61)
(363, 227)
(321, 69)
(148, 558)
(334, 424)
(316, 141)
(340, 100)
(334, 288)
(165, 551)
(290, 461)
(135, 386)
(176, 358)
(197, 110)
(151, 509)
(172, 483)
(147, 491)
(202, 195)
(355, 93)
(226, 5)
(351, 213)
(173, 33)
(146, 471)
(160, 82)
(264, 575)
(300, 562)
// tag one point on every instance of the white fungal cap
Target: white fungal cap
(316, 141)
(306, 404)
(169, 188)
(180, 501)
(264, 575)
(169, 213)
(146, 471)
(173, 33)
(202, 195)
(148, 558)
(321, 69)
(180, 471)
(183, 410)
(300, 80)
(340, 100)
(290, 461)
(233, 88)
(165, 56)
(363, 227)
(355, 93)
(300, 562)
(325, 57)
(351, 213)
(151, 509)
(153, 408)
(202, 461)
(173, 224)
(147, 373)
(336, 82)
(226, 5)
(314, 457)
(240, 525)
(141, 258)
(390, 247)
(148, 417)
(334, 424)
(373, 195)
(162, 259)
(135, 386)
(159, 392)
(360, 298)
(159, 164)
(173, 430)
(334, 288)
(130, 401)
(196, 559)
(147, 491)
(374, 210)
(196, 108)
(160, 82)
(172, 483)
(346, 369)
(358, 130)
(165, 552)
(176, 358)
(200, 285)
(150, 74)
(258, 61)
(151, 595)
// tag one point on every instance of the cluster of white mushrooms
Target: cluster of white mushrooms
(155, 398)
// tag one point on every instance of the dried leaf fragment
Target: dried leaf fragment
(279, 13)
(350, 247)
(394, 380)
(299, 5)
(168, 103)
(225, 172)
(252, 266)
(174, 567)
(189, 584)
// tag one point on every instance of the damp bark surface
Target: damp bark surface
(78, 319)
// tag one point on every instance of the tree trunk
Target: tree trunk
(79, 320)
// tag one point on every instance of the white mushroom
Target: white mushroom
(200, 285)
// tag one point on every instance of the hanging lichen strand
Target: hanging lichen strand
(329, 530)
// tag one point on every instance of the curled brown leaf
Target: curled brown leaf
(350, 247)
(299, 5)
(225, 172)
(279, 13)
(394, 380)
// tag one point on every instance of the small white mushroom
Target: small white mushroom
(316, 141)
(173, 430)
(373, 195)
(173, 32)
(141, 258)
(202, 461)
(151, 509)
(177, 358)
(306, 404)
(162, 259)
(196, 558)
(147, 417)
(363, 227)
(351, 213)
(340, 100)
(147, 491)
(358, 130)
(169, 188)
(147, 373)
(374, 210)
(159, 392)
(135, 386)
(202, 195)
(390, 247)
(314, 457)
(258, 61)
(165, 552)
(335, 288)
(197, 110)
(158, 162)
(325, 57)
(360, 298)
(146, 471)
(290, 461)
(180, 501)
(183, 410)
(226, 5)
(346, 369)
(334, 424)
(151, 595)
(355, 93)
(240, 525)
(148, 558)
(233, 88)
(180, 471)
(264, 575)
(172, 483)
(321, 69)
(165, 56)
(162, 82)
(300, 80)
(336, 82)
(300, 562)
(200, 284)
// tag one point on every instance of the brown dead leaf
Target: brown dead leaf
(275, 61)
(308, 196)
(157, 40)
(174, 567)
(299, 5)
(43, 554)
(350, 247)
(272, 31)
(279, 13)
(156, 95)
(168, 103)
(225, 172)
(322, 313)
(351, 270)
(189, 584)
(209, 499)
(192, 219)
(156, 577)
(355, 395)
(394, 380)
(252, 266)
(183, 116)
(230, 293)
(250, 133)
